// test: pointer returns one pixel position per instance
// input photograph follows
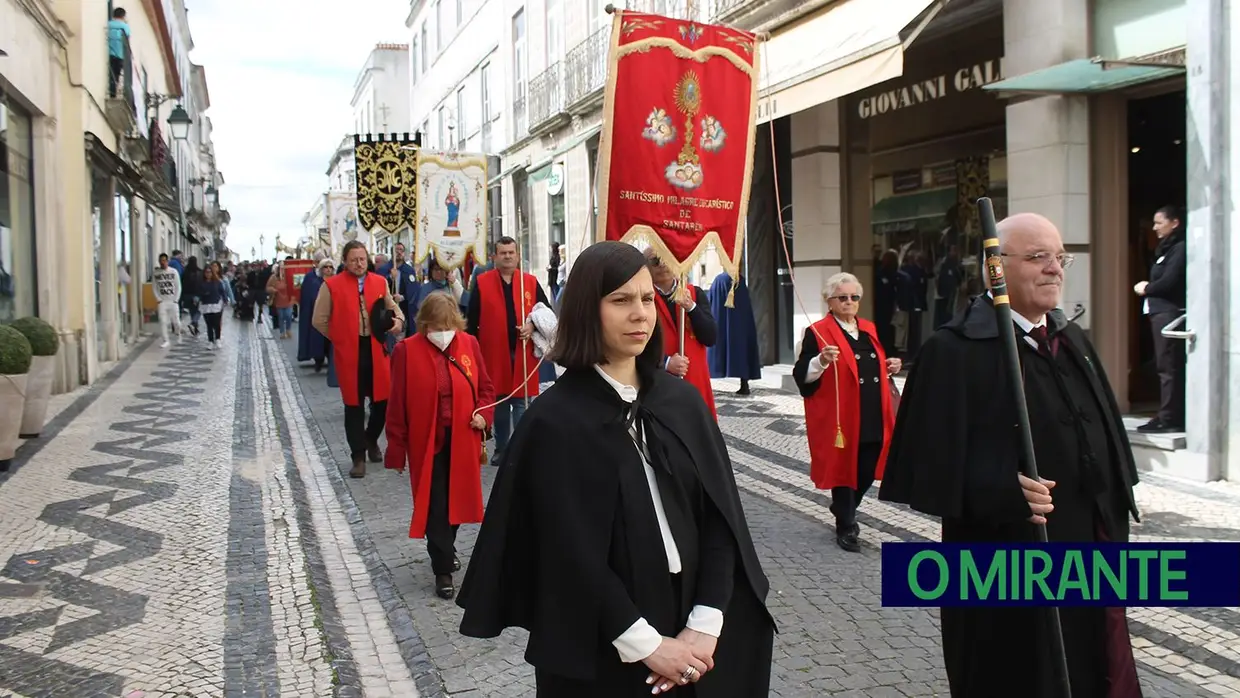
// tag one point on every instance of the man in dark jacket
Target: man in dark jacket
(960, 399)
(1164, 302)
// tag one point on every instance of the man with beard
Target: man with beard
(955, 454)
(342, 314)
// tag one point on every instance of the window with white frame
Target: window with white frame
(484, 80)
(519, 58)
(414, 57)
(597, 14)
(442, 139)
(460, 12)
(442, 32)
(555, 30)
(462, 120)
(425, 41)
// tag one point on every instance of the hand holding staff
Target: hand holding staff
(1007, 334)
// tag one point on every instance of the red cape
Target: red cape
(837, 467)
(505, 370)
(412, 419)
(344, 331)
(699, 365)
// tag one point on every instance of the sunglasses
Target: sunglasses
(855, 298)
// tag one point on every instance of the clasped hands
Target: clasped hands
(675, 655)
(831, 352)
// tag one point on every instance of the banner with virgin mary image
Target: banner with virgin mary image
(452, 207)
(679, 118)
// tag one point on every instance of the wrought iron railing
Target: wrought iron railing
(547, 94)
(585, 67)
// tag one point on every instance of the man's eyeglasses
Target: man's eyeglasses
(855, 298)
(1044, 258)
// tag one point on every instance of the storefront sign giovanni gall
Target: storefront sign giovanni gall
(930, 89)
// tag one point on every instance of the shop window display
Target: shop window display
(17, 261)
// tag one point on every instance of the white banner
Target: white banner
(342, 219)
(452, 206)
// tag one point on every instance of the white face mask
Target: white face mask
(441, 339)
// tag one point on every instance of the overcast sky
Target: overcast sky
(281, 74)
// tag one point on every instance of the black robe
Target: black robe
(954, 455)
(570, 547)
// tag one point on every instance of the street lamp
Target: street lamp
(261, 238)
(178, 123)
(212, 195)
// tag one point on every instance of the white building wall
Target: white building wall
(381, 96)
(452, 59)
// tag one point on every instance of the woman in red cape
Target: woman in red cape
(859, 411)
(438, 383)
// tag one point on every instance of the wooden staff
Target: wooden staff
(684, 288)
(1007, 334)
(525, 343)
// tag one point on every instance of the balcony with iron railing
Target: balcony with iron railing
(585, 72)
(547, 100)
(121, 105)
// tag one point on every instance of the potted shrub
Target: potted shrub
(44, 343)
(14, 365)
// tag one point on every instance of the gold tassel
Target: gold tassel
(839, 436)
(729, 303)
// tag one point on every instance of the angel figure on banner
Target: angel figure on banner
(659, 127)
(713, 135)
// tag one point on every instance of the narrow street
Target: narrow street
(184, 528)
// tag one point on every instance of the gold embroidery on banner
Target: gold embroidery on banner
(386, 186)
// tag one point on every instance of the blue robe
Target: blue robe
(735, 354)
(311, 346)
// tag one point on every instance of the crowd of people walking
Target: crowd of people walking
(642, 549)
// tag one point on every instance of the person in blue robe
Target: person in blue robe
(735, 354)
(311, 345)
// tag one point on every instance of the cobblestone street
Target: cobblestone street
(184, 528)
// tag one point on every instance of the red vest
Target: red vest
(413, 419)
(837, 467)
(699, 365)
(344, 331)
(506, 369)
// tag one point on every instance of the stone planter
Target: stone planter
(12, 404)
(38, 390)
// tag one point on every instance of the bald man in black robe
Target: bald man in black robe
(955, 455)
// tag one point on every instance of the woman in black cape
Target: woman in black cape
(614, 532)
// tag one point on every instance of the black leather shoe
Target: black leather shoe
(1157, 426)
(848, 541)
(374, 453)
(444, 587)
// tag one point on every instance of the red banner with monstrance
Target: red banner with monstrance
(679, 118)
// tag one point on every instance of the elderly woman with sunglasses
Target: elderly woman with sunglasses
(845, 377)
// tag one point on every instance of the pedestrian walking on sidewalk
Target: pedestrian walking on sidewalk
(311, 346)
(955, 455)
(616, 517)
(280, 294)
(166, 283)
(211, 302)
(191, 282)
(434, 424)
(342, 314)
(845, 377)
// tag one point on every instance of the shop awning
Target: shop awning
(933, 203)
(846, 48)
(497, 179)
(1085, 76)
(541, 169)
(146, 185)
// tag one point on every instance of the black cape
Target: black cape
(954, 454)
(569, 548)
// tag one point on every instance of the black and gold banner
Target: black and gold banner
(387, 179)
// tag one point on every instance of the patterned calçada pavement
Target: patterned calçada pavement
(183, 528)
